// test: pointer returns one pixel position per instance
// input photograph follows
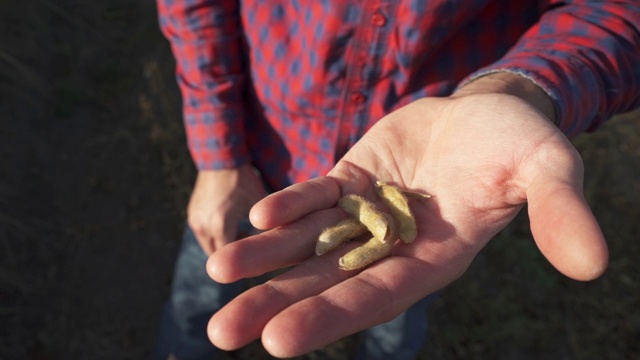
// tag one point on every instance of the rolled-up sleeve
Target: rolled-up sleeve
(206, 40)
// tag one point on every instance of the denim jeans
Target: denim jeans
(195, 297)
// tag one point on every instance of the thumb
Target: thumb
(565, 229)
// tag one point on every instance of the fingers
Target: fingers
(213, 231)
(304, 198)
(242, 320)
(316, 303)
(271, 250)
(374, 296)
(294, 202)
(202, 235)
(351, 306)
(225, 233)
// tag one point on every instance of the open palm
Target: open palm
(482, 157)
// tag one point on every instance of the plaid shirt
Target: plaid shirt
(291, 85)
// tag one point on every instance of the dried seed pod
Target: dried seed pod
(371, 251)
(397, 202)
(415, 194)
(334, 236)
(382, 227)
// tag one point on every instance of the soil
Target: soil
(95, 176)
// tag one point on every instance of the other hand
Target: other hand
(220, 200)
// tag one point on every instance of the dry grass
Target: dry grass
(95, 177)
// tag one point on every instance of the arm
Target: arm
(483, 153)
(585, 55)
(205, 37)
(206, 40)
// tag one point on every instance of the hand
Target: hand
(482, 154)
(220, 200)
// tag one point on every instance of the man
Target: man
(476, 101)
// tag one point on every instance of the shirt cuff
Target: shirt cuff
(567, 84)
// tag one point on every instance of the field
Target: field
(95, 176)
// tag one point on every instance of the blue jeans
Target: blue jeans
(195, 298)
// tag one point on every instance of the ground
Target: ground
(94, 179)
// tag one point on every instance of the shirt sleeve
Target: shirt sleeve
(586, 56)
(206, 40)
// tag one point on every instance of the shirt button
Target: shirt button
(358, 98)
(378, 20)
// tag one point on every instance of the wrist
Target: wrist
(512, 84)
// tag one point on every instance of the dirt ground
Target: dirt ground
(94, 177)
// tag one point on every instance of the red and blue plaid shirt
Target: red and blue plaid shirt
(291, 85)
